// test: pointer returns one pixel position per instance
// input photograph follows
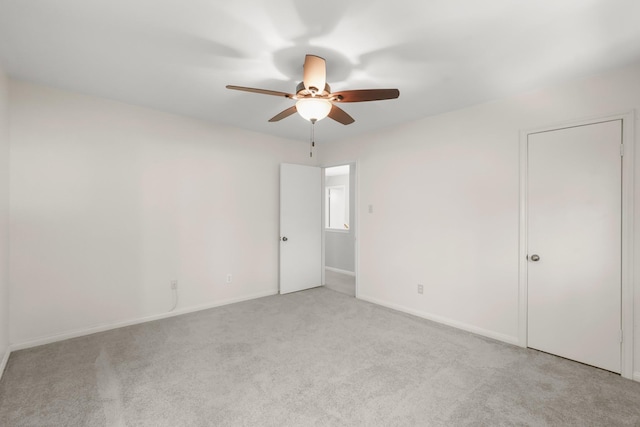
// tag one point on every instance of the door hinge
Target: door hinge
(621, 150)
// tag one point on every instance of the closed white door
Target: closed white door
(574, 243)
(300, 227)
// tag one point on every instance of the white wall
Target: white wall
(445, 199)
(339, 249)
(4, 219)
(111, 202)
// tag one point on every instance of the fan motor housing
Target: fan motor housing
(302, 92)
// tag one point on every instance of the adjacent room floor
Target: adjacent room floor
(311, 358)
(340, 282)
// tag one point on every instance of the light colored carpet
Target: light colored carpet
(312, 358)
(340, 282)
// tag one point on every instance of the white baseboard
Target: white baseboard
(115, 325)
(5, 359)
(636, 376)
(446, 321)
(337, 270)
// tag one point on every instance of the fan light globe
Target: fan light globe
(313, 108)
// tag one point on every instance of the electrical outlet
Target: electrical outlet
(229, 278)
(421, 289)
(174, 284)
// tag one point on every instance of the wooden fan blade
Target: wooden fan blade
(315, 73)
(364, 95)
(284, 114)
(339, 115)
(262, 91)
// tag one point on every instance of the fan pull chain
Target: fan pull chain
(313, 137)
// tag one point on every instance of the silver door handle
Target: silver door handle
(535, 258)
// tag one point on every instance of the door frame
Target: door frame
(356, 216)
(627, 298)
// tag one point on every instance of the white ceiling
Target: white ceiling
(178, 55)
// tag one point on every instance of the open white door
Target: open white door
(300, 227)
(574, 242)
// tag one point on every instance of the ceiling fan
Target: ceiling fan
(314, 100)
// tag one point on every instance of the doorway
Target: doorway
(339, 228)
(574, 243)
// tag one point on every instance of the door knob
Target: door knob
(535, 258)
(284, 239)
